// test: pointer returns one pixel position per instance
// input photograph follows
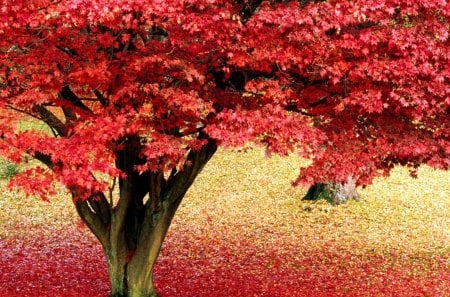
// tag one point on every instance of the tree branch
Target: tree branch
(51, 120)
(101, 207)
(103, 101)
(92, 221)
(126, 159)
(67, 94)
(249, 8)
(157, 186)
(183, 179)
(44, 158)
(69, 115)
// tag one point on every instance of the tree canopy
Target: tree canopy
(357, 86)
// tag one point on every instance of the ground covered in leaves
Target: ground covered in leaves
(244, 231)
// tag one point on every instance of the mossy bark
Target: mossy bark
(335, 193)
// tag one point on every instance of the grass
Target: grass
(8, 169)
(242, 230)
(254, 192)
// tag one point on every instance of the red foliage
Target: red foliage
(289, 270)
(65, 264)
(357, 86)
(69, 264)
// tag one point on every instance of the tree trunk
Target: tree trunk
(133, 229)
(335, 193)
(131, 271)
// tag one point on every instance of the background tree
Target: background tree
(138, 95)
(334, 193)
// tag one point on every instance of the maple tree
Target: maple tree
(139, 94)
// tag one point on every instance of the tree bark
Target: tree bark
(132, 231)
(131, 271)
(335, 193)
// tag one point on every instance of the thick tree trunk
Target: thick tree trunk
(132, 229)
(131, 271)
(335, 193)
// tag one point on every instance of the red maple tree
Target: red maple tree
(139, 94)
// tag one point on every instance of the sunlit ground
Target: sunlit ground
(243, 230)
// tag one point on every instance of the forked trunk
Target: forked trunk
(132, 229)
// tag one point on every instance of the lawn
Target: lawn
(243, 230)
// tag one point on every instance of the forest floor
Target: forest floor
(242, 230)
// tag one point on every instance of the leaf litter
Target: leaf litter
(242, 230)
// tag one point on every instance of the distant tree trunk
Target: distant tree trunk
(335, 193)
(133, 229)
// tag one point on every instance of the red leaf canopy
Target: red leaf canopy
(356, 86)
